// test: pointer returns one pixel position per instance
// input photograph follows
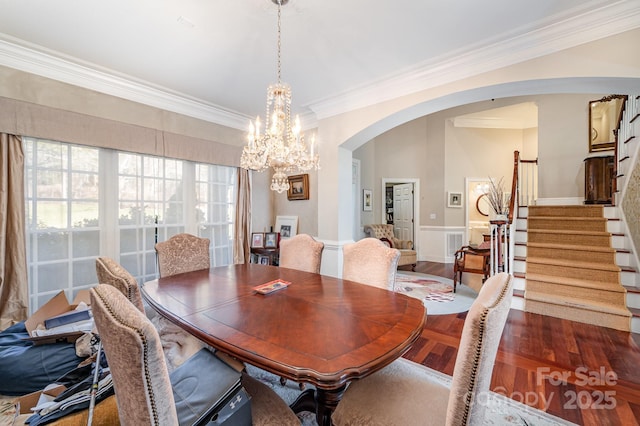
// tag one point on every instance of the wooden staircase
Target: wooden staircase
(571, 269)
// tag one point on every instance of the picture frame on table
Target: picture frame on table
(367, 200)
(257, 240)
(454, 199)
(271, 239)
(287, 226)
(298, 187)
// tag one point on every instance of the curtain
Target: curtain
(14, 296)
(243, 218)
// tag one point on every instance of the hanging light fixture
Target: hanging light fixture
(282, 146)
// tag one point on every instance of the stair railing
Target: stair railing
(524, 192)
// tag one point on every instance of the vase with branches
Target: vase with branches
(497, 197)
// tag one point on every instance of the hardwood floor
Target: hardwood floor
(583, 373)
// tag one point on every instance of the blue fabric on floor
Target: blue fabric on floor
(26, 368)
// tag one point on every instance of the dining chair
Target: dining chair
(176, 343)
(111, 272)
(140, 376)
(301, 252)
(182, 253)
(412, 396)
(370, 261)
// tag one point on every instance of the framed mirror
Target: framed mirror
(604, 116)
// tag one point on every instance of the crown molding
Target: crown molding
(607, 21)
(594, 25)
(21, 56)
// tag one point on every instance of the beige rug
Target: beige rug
(435, 292)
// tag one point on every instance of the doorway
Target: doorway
(477, 210)
(400, 207)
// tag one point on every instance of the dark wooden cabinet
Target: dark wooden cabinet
(598, 180)
(265, 256)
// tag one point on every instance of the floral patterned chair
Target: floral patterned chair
(384, 232)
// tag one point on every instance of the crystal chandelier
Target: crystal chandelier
(281, 146)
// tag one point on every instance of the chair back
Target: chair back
(370, 261)
(380, 230)
(301, 252)
(182, 253)
(134, 353)
(111, 272)
(481, 335)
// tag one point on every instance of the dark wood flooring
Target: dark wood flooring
(583, 373)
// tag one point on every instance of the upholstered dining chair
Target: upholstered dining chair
(301, 252)
(111, 272)
(370, 261)
(182, 253)
(411, 394)
(134, 353)
(176, 343)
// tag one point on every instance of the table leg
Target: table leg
(323, 402)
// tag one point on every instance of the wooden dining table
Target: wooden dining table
(319, 329)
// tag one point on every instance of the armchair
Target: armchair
(384, 232)
(474, 260)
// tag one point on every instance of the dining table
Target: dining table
(312, 328)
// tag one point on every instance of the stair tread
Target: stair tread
(577, 303)
(576, 218)
(576, 282)
(574, 263)
(568, 231)
(571, 247)
(631, 289)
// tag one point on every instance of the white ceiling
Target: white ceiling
(213, 59)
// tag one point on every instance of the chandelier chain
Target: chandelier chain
(282, 146)
(279, 34)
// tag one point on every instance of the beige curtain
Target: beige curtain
(243, 218)
(13, 253)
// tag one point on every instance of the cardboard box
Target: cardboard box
(56, 306)
(26, 402)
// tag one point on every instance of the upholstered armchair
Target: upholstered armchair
(405, 393)
(384, 232)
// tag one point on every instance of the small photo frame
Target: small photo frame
(287, 226)
(271, 239)
(367, 200)
(454, 199)
(257, 240)
(298, 187)
(264, 260)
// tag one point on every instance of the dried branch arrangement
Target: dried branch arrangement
(497, 197)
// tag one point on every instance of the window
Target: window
(74, 214)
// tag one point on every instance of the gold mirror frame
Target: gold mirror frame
(604, 116)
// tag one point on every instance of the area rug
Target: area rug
(500, 409)
(435, 292)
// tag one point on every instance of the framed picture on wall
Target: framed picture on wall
(367, 200)
(454, 199)
(298, 187)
